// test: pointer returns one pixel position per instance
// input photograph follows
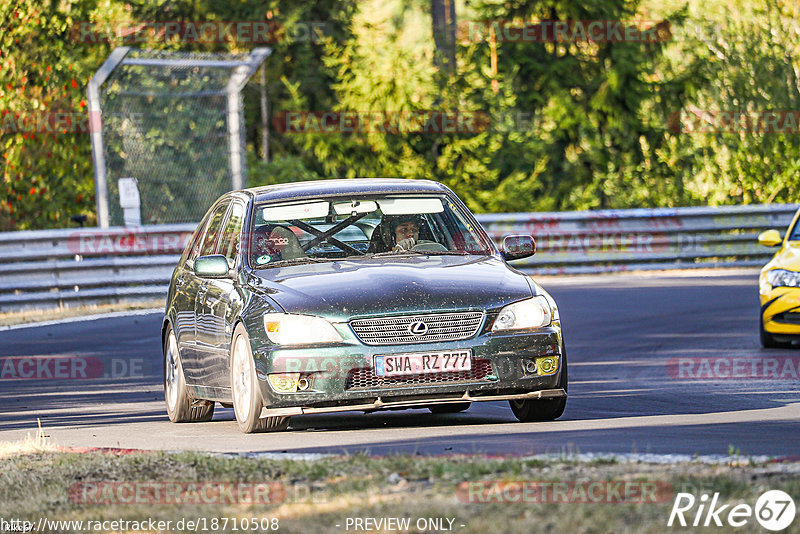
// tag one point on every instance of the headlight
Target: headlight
(550, 301)
(531, 313)
(287, 329)
(782, 278)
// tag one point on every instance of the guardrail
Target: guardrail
(52, 268)
(641, 239)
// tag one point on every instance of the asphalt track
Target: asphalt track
(623, 333)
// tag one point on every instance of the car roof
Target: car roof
(352, 186)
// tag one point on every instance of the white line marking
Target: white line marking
(96, 317)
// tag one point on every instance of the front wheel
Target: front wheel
(530, 410)
(180, 407)
(247, 403)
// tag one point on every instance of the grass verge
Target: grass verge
(327, 495)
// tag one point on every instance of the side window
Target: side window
(193, 248)
(464, 236)
(229, 245)
(214, 224)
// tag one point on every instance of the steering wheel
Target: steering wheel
(432, 246)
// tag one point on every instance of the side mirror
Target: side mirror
(770, 238)
(516, 247)
(214, 266)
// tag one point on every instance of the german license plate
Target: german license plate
(418, 363)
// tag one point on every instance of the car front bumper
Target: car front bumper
(780, 310)
(342, 376)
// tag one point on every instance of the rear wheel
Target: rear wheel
(247, 402)
(768, 341)
(453, 407)
(529, 410)
(180, 407)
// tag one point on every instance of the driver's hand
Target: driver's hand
(404, 244)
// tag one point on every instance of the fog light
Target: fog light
(284, 382)
(303, 384)
(530, 366)
(547, 365)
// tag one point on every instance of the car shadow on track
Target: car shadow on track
(79, 403)
(736, 439)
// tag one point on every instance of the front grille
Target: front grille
(365, 378)
(787, 317)
(396, 330)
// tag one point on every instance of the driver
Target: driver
(406, 233)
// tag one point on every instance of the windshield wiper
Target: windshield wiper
(440, 252)
(421, 252)
(296, 261)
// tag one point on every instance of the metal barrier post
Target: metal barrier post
(96, 132)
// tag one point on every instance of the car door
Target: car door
(217, 306)
(194, 355)
(186, 284)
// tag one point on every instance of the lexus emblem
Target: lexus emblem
(418, 328)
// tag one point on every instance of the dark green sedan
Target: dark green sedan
(362, 294)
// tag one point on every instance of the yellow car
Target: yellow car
(779, 288)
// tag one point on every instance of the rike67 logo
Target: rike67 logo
(774, 510)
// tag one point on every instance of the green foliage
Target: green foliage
(754, 67)
(573, 125)
(281, 170)
(46, 171)
(47, 176)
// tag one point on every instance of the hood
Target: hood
(788, 257)
(343, 290)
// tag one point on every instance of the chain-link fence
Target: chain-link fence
(174, 122)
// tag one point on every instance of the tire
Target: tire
(247, 401)
(530, 410)
(180, 406)
(453, 407)
(768, 341)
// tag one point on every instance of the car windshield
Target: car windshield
(795, 235)
(361, 226)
